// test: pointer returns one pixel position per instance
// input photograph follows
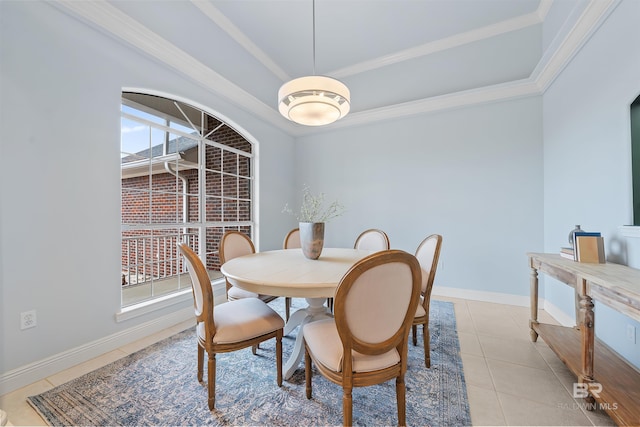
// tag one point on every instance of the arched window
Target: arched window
(186, 176)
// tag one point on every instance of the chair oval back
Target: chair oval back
(292, 239)
(376, 301)
(372, 240)
(428, 254)
(200, 285)
(234, 244)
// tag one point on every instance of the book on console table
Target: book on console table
(567, 253)
(589, 247)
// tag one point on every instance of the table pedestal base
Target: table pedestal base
(316, 310)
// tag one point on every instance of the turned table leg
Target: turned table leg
(534, 303)
(587, 323)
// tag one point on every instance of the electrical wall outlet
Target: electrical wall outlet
(631, 333)
(28, 319)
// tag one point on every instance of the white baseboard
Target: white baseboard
(484, 296)
(563, 318)
(553, 310)
(36, 371)
(523, 301)
(41, 369)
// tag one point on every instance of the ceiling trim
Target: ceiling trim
(456, 40)
(561, 51)
(116, 23)
(500, 92)
(234, 32)
(101, 14)
(543, 9)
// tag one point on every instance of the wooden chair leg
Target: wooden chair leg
(287, 308)
(211, 378)
(254, 349)
(414, 333)
(307, 373)
(427, 349)
(400, 395)
(279, 357)
(347, 406)
(200, 362)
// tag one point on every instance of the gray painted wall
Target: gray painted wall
(475, 175)
(472, 175)
(60, 216)
(587, 157)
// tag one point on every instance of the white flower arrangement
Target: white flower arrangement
(312, 209)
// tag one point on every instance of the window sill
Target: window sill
(630, 230)
(136, 310)
(146, 307)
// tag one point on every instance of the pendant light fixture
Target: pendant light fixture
(314, 100)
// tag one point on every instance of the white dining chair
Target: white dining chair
(428, 254)
(373, 240)
(232, 245)
(230, 326)
(291, 241)
(366, 341)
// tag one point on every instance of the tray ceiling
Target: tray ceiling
(398, 57)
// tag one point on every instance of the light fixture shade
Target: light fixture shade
(314, 100)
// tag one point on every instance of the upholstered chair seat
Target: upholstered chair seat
(235, 293)
(420, 311)
(242, 320)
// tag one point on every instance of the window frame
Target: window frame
(202, 224)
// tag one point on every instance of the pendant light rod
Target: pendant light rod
(314, 100)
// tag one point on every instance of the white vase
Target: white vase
(312, 239)
(571, 242)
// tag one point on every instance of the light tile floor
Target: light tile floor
(510, 380)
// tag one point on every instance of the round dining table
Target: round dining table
(288, 273)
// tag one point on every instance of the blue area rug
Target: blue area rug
(158, 386)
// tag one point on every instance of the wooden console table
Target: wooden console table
(588, 358)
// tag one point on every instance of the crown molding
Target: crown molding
(501, 92)
(456, 40)
(561, 52)
(102, 15)
(543, 9)
(214, 14)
